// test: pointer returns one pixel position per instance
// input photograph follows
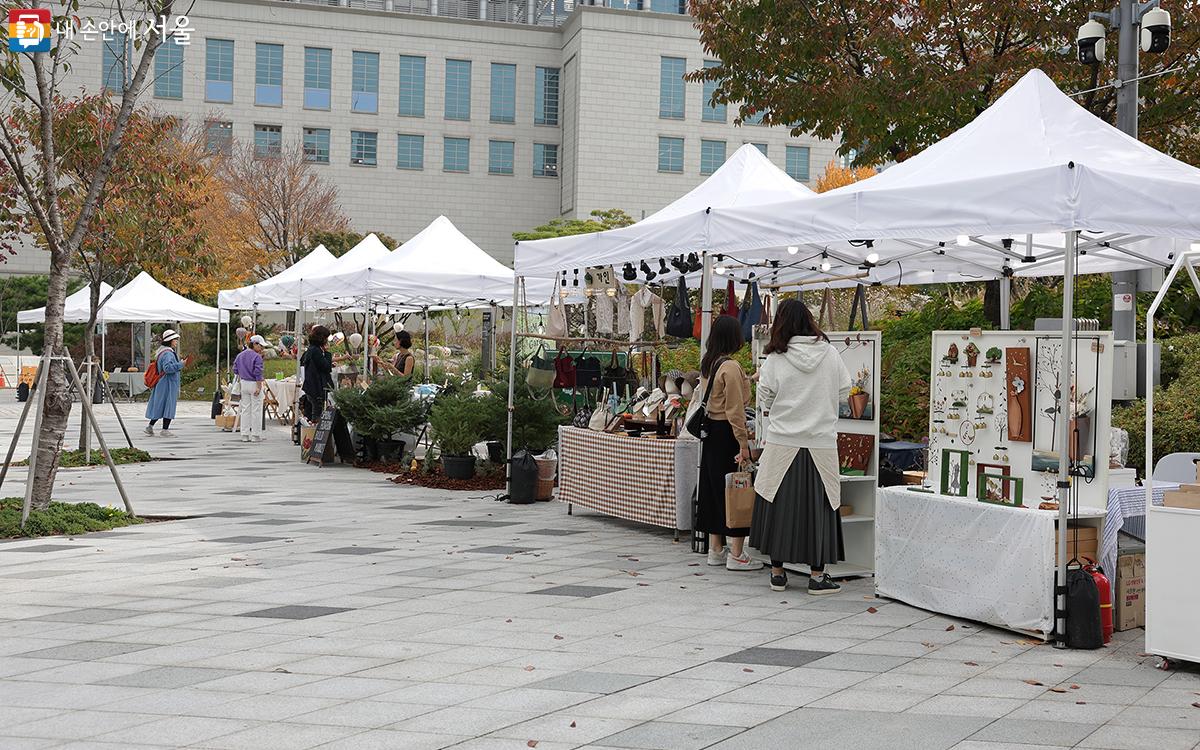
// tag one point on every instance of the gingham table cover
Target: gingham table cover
(638, 479)
(1127, 511)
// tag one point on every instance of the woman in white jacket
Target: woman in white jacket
(797, 487)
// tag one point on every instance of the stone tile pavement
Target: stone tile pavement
(300, 607)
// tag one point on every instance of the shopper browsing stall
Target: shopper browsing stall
(726, 443)
(798, 486)
(248, 366)
(403, 361)
(318, 373)
(165, 391)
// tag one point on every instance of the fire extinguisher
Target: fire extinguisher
(1105, 590)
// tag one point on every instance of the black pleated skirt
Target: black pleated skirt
(719, 457)
(799, 527)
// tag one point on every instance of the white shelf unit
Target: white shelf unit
(1172, 589)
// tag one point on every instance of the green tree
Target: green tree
(602, 219)
(889, 78)
(340, 242)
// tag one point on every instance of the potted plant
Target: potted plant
(972, 353)
(993, 355)
(457, 421)
(859, 396)
(386, 408)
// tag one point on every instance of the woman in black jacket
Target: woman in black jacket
(317, 362)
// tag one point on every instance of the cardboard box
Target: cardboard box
(1082, 534)
(1088, 549)
(1182, 498)
(1129, 610)
(846, 510)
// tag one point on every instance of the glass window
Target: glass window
(545, 105)
(762, 148)
(364, 148)
(678, 7)
(115, 73)
(168, 70)
(458, 89)
(500, 157)
(410, 151)
(670, 88)
(545, 160)
(316, 145)
(797, 163)
(504, 92)
(268, 140)
(755, 119)
(712, 156)
(318, 77)
(268, 74)
(364, 82)
(412, 86)
(218, 70)
(711, 112)
(670, 154)
(218, 137)
(456, 155)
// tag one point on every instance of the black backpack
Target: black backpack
(679, 317)
(1083, 611)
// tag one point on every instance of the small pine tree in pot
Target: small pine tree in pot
(457, 422)
(385, 408)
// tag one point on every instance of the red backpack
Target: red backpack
(152, 375)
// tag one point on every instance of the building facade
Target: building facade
(500, 115)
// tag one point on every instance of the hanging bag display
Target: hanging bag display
(731, 305)
(679, 317)
(699, 416)
(588, 373)
(583, 414)
(540, 374)
(564, 369)
(556, 326)
(616, 377)
(752, 311)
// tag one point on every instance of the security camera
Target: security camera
(1090, 42)
(1156, 30)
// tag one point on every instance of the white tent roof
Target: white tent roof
(246, 297)
(145, 300)
(78, 306)
(290, 290)
(1034, 163)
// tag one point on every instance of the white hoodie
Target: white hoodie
(800, 391)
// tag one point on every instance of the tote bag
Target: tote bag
(540, 374)
(679, 317)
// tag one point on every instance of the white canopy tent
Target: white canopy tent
(142, 300)
(247, 297)
(76, 310)
(295, 289)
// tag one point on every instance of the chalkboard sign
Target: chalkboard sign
(322, 447)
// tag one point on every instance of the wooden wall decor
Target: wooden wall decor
(954, 477)
(854, 453)
(1003, 496)
(1019, 385)
(991, 469)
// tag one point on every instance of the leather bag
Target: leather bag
(698, 417)
(731, 305)
(540, 374)
(679, 317)
(588, 373)
(564, 369)
(616, 377)
(751, 312)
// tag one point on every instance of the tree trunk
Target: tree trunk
(58, 400)
(991, 301)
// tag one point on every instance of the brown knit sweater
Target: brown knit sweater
(729, 398)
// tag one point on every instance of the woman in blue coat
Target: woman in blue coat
(165, 394)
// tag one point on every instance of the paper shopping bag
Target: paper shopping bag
(739, 499)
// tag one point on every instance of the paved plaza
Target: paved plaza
(297, 607)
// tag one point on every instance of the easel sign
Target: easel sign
(322, 443)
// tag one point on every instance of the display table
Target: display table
(960, 557)
(131, 383)
(1127, 512)
(638, 479)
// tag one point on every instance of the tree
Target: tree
(281, 202)
(837, 176)
(603, 219)
(891, 78)
(37, 169)
(341, 242)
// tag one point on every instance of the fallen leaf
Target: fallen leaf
(634, 559)
(633, 573)
(949, 628)
(531, 743)
(1080, 703)
(1196, 704)
(747, 669)
(1074, 687)
(971, 663)
(1143, 653)
(281, 670)
(1058, 665)
(572, 725)
(1057, 690)
(1033, 682)
(509, 620)
(693, 565)
(558, 637)
(927, 644)
(528, 667)
(872, 610)
(967, 627)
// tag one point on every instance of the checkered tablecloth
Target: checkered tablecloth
(1127, 511)
(637, 479)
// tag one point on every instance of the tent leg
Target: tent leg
(1064, 434)
(299, 344)
(1006, 301)
(425, 314)
(706, 290)
(366, 338)
(108, 394)
(512, 380)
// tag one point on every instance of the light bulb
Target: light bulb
(792, 249)
(719, 270)
(611, 291)
(963, 240)
(872, 258)
(826, 265)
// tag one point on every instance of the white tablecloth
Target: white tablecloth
(285, 392)
(1127, 510)
(129, 383)
(965, 558)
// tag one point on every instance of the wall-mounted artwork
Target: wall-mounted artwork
(854, 453)
(858, 354)
(955, 464)
(1048, 420)
(1019, 384)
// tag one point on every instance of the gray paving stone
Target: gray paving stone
(167, 678)
(86, 650)
(661, 735)
(230, 513)
(575, 590)
(295, 502)
(354, 551)
(591, 682)
(469, 523)
(861, 730)
(213, 582)
(779, 657)
(41, 547)
(295, 612)
(246, 539)
(1034, 732)
(414, 506)
(272, 522)
(555, 532)
(98, 614)
(499, 549)
(1140, 738)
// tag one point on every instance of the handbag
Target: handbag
(616, 377)
(556, 326)
(564, 369)
(739, 499)
(751, 312)
(679, 317)
(583, 414)
(699, 416)
(588, 373)
(599, 419)
(731, 305)
(540, 374)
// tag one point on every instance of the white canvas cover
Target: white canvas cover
(144, 300)
(290, 290)
(247, 297)
(1034, 163)
(76, 310)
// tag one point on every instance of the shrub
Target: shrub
(385, 407)
(1176, 406)
(59, 518)
(459, 420)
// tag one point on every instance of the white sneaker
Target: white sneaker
(166, 433)
(256, 438)
(717, 557)
(745, 562)
(149, 431)
(245, 438)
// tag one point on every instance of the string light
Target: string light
(719, 270)
(872, 258)
(963, 240)
(825, 264)
(792, 249)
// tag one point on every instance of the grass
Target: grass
(197, 381)
(59, 518)
(75, 459)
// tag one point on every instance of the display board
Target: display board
(321, 449)
(994, 421)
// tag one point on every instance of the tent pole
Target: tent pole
(425, 314)
(299, 345)
(512, 380)
(1064, 434)
(705, 300)
(1006, 299)
(366, 344)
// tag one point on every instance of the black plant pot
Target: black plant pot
(458, 467)
(391, 450)
(495, 451)
(369, 448)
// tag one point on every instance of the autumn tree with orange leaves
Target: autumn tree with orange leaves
(837, 175)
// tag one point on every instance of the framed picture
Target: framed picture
(854, 453)
(982, 468)
(954, 472)
(1000, 489)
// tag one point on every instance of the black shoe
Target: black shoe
(823, 585)
(779, 582)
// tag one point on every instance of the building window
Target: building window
(316, 145)
(268, 74)
(762, 148)
(545, 105)
(670, 88)
(410, 151)
(754, 119)
(712, 156)
(364, 82)
(456, 156)
(268, 140)
(412, 86)
(168, 70)
(797, 163)
(678, 7)
(364, 148)
(218, 137)
(218, 70)
(318, 77)
(504, 92)
(458, 89)
(500, 157)
(711, 112)
(545, 160)
(115, 61)
(670, 154)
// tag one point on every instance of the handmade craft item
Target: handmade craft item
(854, 453)
(1018, 385)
